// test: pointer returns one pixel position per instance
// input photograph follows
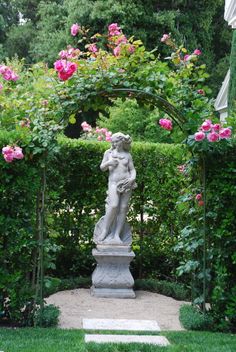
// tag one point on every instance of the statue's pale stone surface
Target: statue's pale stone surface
(112, 234)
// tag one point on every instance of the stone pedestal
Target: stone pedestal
(112, 277)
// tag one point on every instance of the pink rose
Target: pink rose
(198, 196)
(199, 136)
(8, 153)
(116, 51)
(64, 76)
(71, 67)
(131, 49)
(187, 57)
(108, 138)
(7, 150)
(59, 65)
(114, 29)
(201, 91)
(14, 76)
(213, 137)
(93, 48)
(100, 138)
(216, 127)
(3, 68)
(225, 133)
(166, 124)
(165, 37)
(121, 40)
(86, 127)
(206, 126)
(98, 130)
(8, 157)
(18, 154)
(65, 69)
(104, 130)
(63, 55)
(74, 29)
(7, 75)
(197, 52)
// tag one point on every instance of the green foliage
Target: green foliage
(50, 316)
(220, 238)
(200, 25)
(61, 340)
(167, 288)
(138, 121)
(192, 318)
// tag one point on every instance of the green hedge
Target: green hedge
(78, 201)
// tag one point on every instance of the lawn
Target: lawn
(55, 340)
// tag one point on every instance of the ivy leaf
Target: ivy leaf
(72, 119)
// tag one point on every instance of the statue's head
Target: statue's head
(120, 137)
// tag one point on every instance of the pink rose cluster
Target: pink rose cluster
(198, 198)
(65, 69)
(11, 153)
(93, 48)
(119, 40)
(188, 57)
(86, 127)
(74, 30)
(213, 132)
(114, 29)
(8, 74)
(166, 124)
(70, 53)
(102, 134)
(165, 38)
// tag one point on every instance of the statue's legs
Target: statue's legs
(111, 210)
(121, 216)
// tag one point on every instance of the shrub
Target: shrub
(167, 288)
(49, 316)
(192, 318)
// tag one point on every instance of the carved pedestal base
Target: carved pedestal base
(112, 277)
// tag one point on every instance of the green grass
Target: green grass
(56, 340)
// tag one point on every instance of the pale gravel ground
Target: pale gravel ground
(78, 304)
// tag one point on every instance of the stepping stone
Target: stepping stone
(153, 340)
(120, 324)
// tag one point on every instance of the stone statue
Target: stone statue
(113, 228)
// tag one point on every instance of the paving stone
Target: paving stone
(147, 339)
(120, 324)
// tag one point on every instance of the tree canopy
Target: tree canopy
(37, 31)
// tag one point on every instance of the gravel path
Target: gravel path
(78, 304)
